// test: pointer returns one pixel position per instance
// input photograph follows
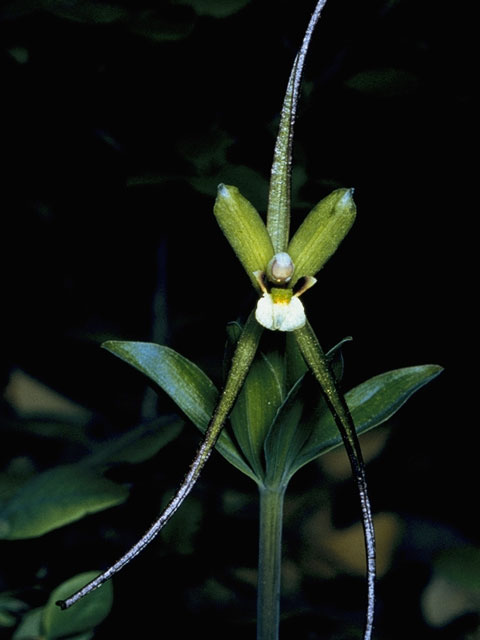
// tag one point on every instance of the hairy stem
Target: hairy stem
(278, 213)
(318, 363)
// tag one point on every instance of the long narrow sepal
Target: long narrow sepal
(318, 363)
(278, 213)
(244, 229)
(321, 233)
(241, 361)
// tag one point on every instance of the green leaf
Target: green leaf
(55, 498)
(29, 627)
(292, 425)
(215, 8)
(233, 331)
(207, 150)
(50, 427)
(181, 379)
(159, 25)
(244, 229)
(188, 386)
(454, 588)
(335, 358)
(285, 438)
(460, 566)
(138, 444)
(85, 11)
(371, 403)
(384, 82)
(320, 234)
(10, 483)
(179, 536)
(295, 366)
(9, 605)
(9, 608)
(86, 614)
(255, 408)
(6, 619)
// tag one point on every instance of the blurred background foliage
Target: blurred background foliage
(118, 121)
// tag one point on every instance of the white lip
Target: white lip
(277, 316)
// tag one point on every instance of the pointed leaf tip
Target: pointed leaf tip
(321, 233)
(371, 403)
(244, 229)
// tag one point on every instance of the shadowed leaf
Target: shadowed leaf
(188, 386)
(55, 498)
(370, 403)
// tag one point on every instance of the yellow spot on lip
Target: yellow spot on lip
(281, 296)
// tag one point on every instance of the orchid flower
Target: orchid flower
(281, 270)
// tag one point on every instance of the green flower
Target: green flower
(283, 276)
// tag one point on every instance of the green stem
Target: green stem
(269, 562)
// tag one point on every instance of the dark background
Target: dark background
(117, 123)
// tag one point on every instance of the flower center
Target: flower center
(280, 268)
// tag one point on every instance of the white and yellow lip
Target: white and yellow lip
(279, 312)
(279, 309)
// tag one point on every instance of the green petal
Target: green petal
(244, 229)
(88, 613)
(55, 498)
(322, 231)
(188, 386)
(370, 404)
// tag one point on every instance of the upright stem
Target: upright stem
(269, 562)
